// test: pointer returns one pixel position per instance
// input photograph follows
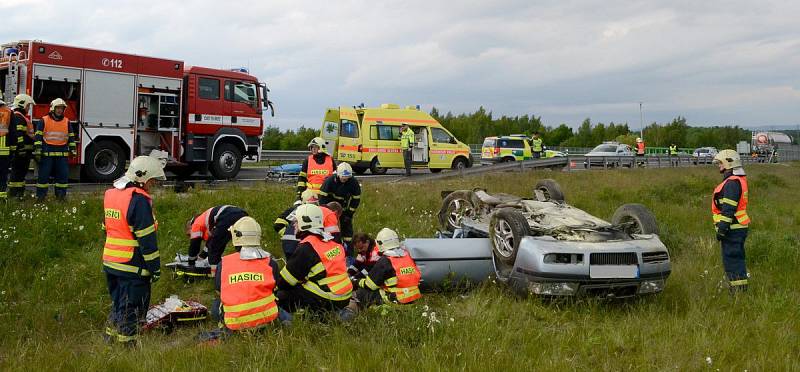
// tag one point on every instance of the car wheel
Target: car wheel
(550, 188)
(436, 170)
(635, 219)
(508, 160)
(375, 167)
(506, 230)
(460, 164)
(455, 207)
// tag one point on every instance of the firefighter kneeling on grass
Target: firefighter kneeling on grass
(245, 283)
(394, 278)
(729, 211)
(130, 256)
(210, 227)
(315, 277)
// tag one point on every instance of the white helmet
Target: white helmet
(246, 232)
(317, 141)
(344, 170)
(309, 197)
(309, 217)
(22, 100)
(143, 168)
(387, 239)
(56, 103)
(728, 158)
(638, 139)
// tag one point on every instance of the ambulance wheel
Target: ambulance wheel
(507, 228)
(635, 219)
(460, 164)
(436, 170)
(226, 162)
(359, 170)
(375, 167)
(105, 161)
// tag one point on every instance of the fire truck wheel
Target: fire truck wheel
(227, 161)
(105, 161)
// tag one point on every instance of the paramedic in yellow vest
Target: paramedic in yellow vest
(131, 259)
(673, 155)
(246, 284)
(729, 212)
(407, 145)
(25, 136)
(316, 168)
(537, 146)
(8, 142)
(55, 142)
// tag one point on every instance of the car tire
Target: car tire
(455, 206)
(506, 230)
(550, 188)
(105, 161)
(460, 164)
(635, 219)
(508, 160)
(436, 170)
(227, 161)
(375, 167)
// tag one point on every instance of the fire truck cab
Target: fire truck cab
(124, 105)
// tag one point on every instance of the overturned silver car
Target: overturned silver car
(544, 246)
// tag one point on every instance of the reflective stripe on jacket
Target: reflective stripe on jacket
(54, 132)
(336, 285)
(317, 173)
(246, 292)
(741, 219)
(330, 222)
(120, 240)
(405, 285)
(406, 138)
(5, 120)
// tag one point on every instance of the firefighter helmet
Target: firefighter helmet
(144, 168)
(344, 170)
(56, 103)
(387, 239)
(728, 158)
(246, 232)
(317, 141)
(309, 217)
(22, 100)
(309, 197)
(638, 139)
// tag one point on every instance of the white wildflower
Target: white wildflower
(74, 210)
(80, 227)
(83, 202)
(424, 314)
(708, 360)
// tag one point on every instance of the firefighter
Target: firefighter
(729, 212)
(211, 227)
(284, 224)
(130, 257)
(367, 254)
(537, 145)
(245, 284)
(8, 142)
(673, 155)
(25, 137)
(394, 278)
(315, 277)
(640, 151)
(344, 189)
(407, 144)
(316, 167)
(55, 141)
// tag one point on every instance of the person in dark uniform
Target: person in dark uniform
(25, 134)
(344, 189)
(211, 227)
(729, 212)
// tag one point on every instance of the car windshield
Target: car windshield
(605, 148)
(489, 142)
(702, 151)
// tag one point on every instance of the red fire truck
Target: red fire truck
(125, 105)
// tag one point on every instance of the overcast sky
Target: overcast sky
(714, 62)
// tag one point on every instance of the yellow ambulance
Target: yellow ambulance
(369, 138)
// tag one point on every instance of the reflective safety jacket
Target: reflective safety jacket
(54, 136)
(640, 148)
(330, 222)
(24, 130)
(7, 140)
(673, 150)
(396, 277)
(317, 173)
(246, 292)
(320, 268)
(130, 248)
(407, 139)
(204, 224)
(536, 145)
(729, 203)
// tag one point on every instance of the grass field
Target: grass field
(53, 299)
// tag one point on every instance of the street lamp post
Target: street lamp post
(641, 121)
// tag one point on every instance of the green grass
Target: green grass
(53, 300)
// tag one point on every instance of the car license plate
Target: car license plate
(613, 271)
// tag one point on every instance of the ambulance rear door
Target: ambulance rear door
(330, 131)
(349, 135)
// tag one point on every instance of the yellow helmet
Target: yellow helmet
(309, 217)
(387, 239)
(246, 233)
(728, 158)
(317, 141)
(22, 100)
(56, 103)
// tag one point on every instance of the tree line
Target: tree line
(473, 127)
